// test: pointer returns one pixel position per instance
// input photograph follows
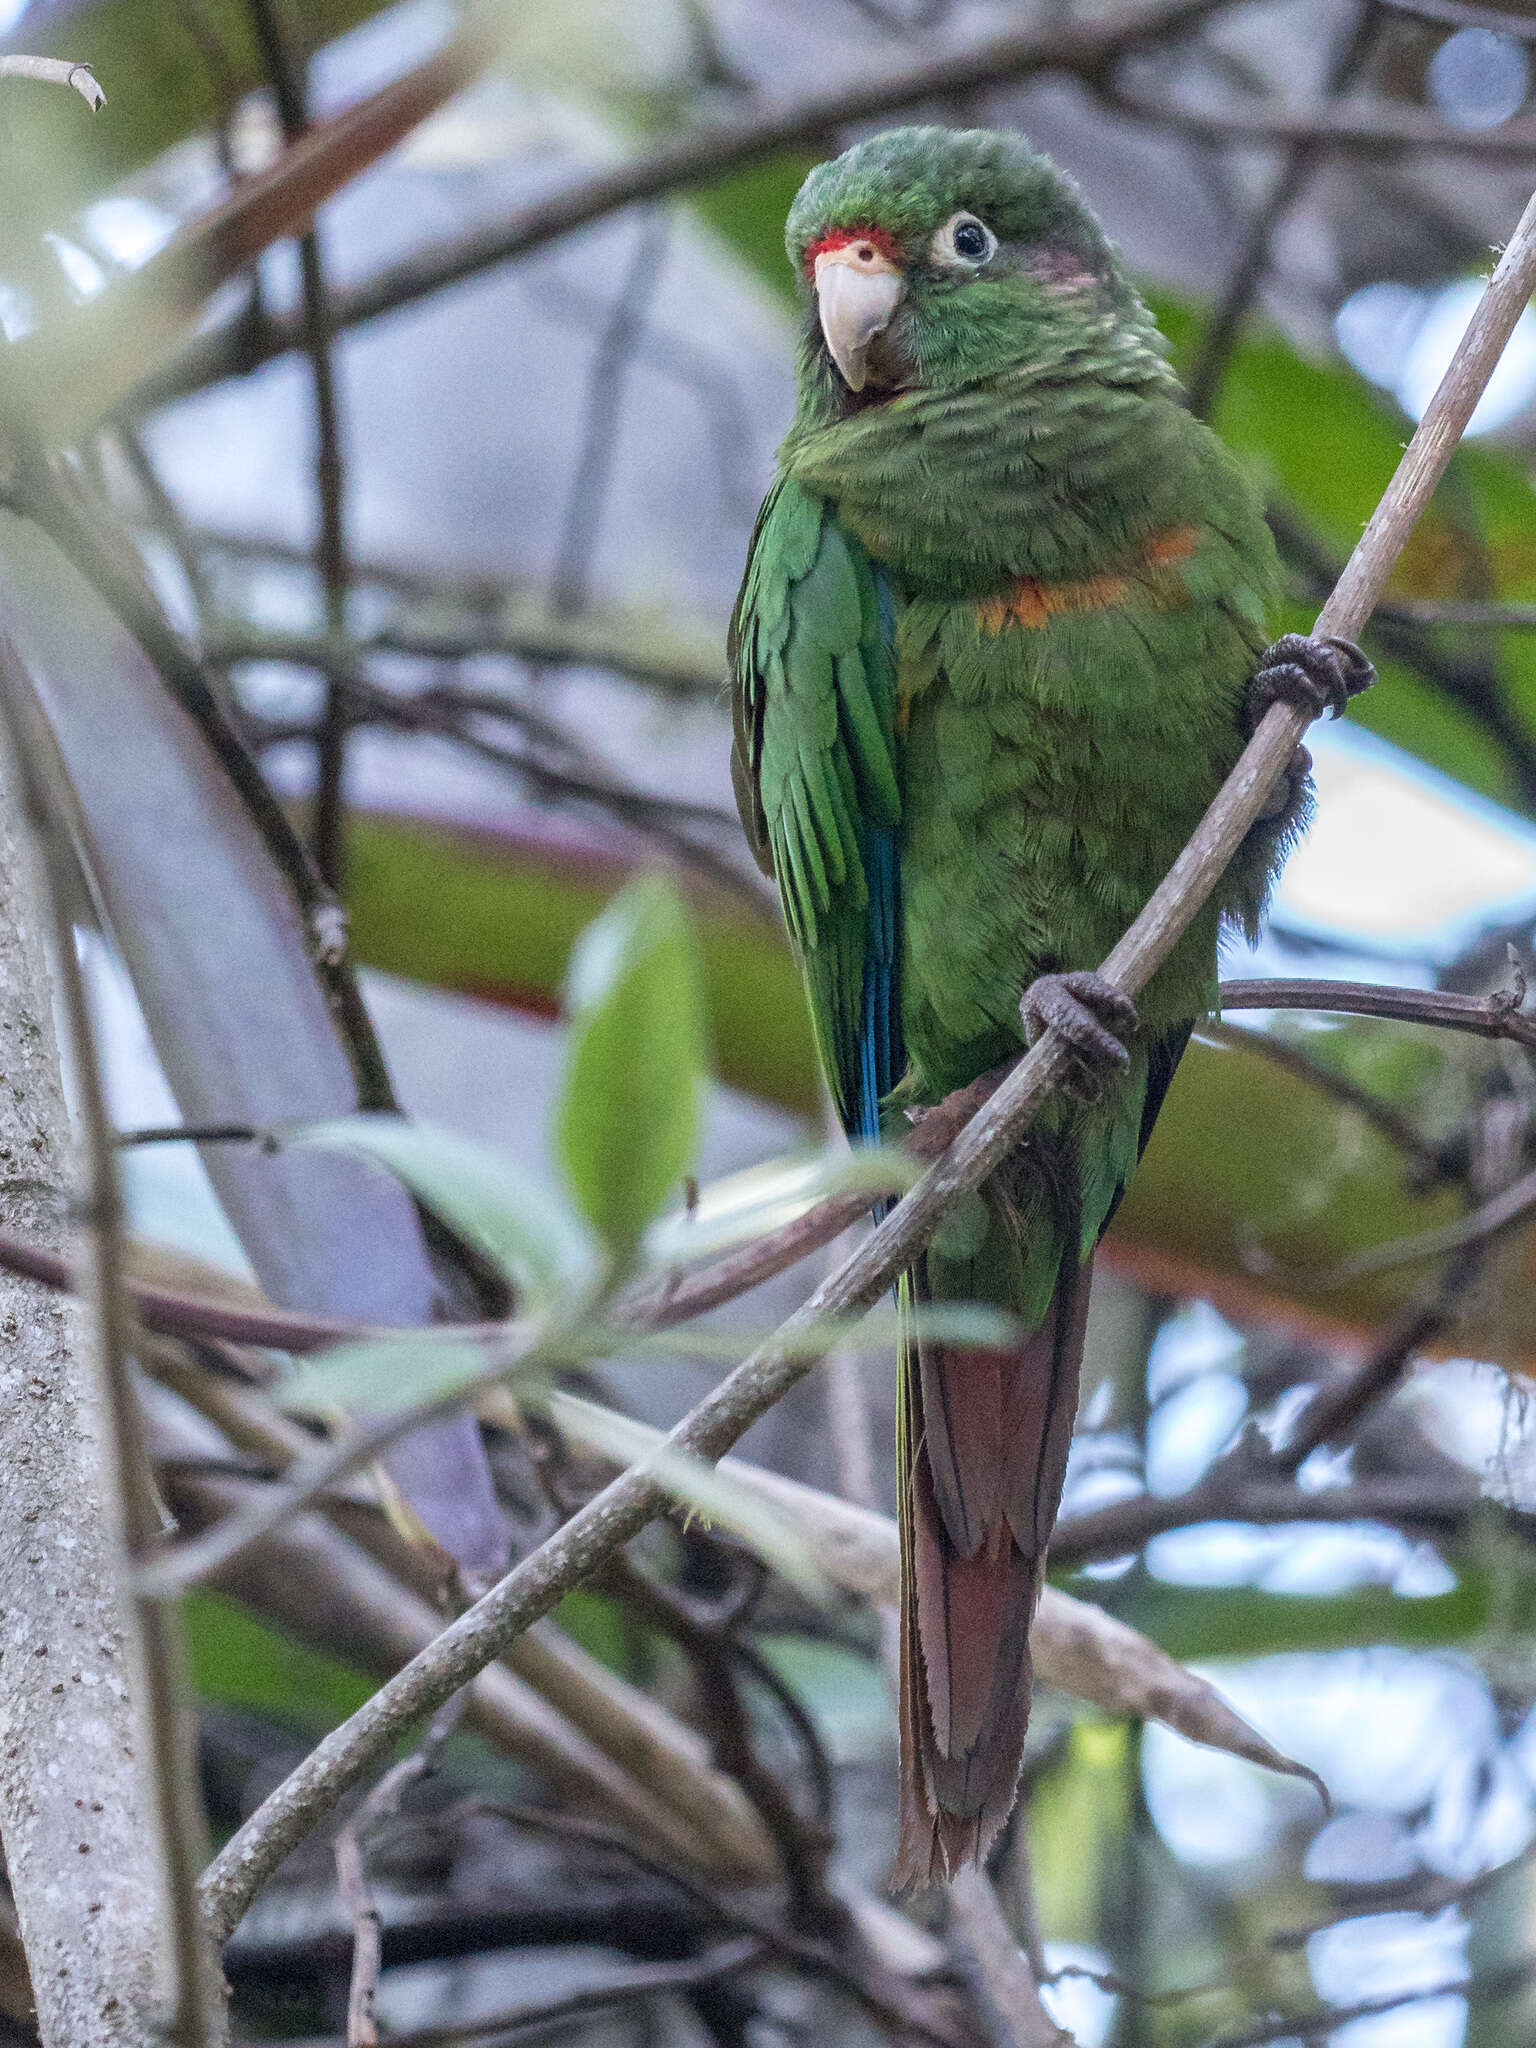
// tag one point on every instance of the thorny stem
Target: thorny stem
(624, 1507)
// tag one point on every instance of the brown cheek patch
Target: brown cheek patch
(1029, 602)
(1061, 271)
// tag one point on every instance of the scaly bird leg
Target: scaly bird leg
(1091, 1014)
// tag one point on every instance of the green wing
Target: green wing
(814, 764)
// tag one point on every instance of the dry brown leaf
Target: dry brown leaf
(1077, 1647)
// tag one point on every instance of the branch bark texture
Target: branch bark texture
(79, 1846)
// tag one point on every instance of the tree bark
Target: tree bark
(73, 1816)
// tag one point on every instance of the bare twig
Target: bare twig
(1076, 1646)
(676, 1298)
(1331, 1416)
(1220, 333)
(512, 2025)
(592, 641)
(1006, 1979)
(164, 516)
(1499, 1214)
(352, 1874)
(169, 1571)
(565, 770)
(1126, 1526)
(620, 336)
(1463, 14)
(193, 1134)
(57, 71)
(717, 1654)
(320, 1589)
(643, 1741)
(70, 376)
(1477, 613)
(1430, 1164)
(286, 74)
(1489, 1988)
(45, 493)
(1494, 1016)
(1466, 683)
(1361, 129)
(736, 1913)
(1083, 49)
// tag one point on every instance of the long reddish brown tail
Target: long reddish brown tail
(984, 1447)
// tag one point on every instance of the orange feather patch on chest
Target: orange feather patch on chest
(1029, 602)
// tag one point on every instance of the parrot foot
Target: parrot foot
(1288, 802)
(1091, 1014)
(1314, 675)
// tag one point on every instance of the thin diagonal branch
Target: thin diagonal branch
(1496, 1217)
(1365, 128)
(57, 71)
(1221, 331)
(69, 376)
(286, 72)
(617, 343)
(697, 157)
(623, 1508)
(1429, 1163)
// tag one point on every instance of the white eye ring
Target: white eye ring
(963, 243)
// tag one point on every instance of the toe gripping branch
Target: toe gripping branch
(1316, 675)
(1091, 1014)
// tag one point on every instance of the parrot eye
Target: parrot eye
(964, 242)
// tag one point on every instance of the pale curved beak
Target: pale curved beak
(858, 289)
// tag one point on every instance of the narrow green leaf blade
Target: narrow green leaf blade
(762, 1199)
(524, 1228)
(379, 1375)
(628, 1119)
(713, 1494)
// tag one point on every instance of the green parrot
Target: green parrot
(999, 640)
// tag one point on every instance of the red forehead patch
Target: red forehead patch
(839, 238)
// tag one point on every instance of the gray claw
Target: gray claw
(1090, 1013)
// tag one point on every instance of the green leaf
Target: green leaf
(628, 1118)
(523, 1227)
(972, 1325)
(236, 1660)
(381, 1374)
(718, 1499)
(762, 1199)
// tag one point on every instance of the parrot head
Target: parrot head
(933, 257)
